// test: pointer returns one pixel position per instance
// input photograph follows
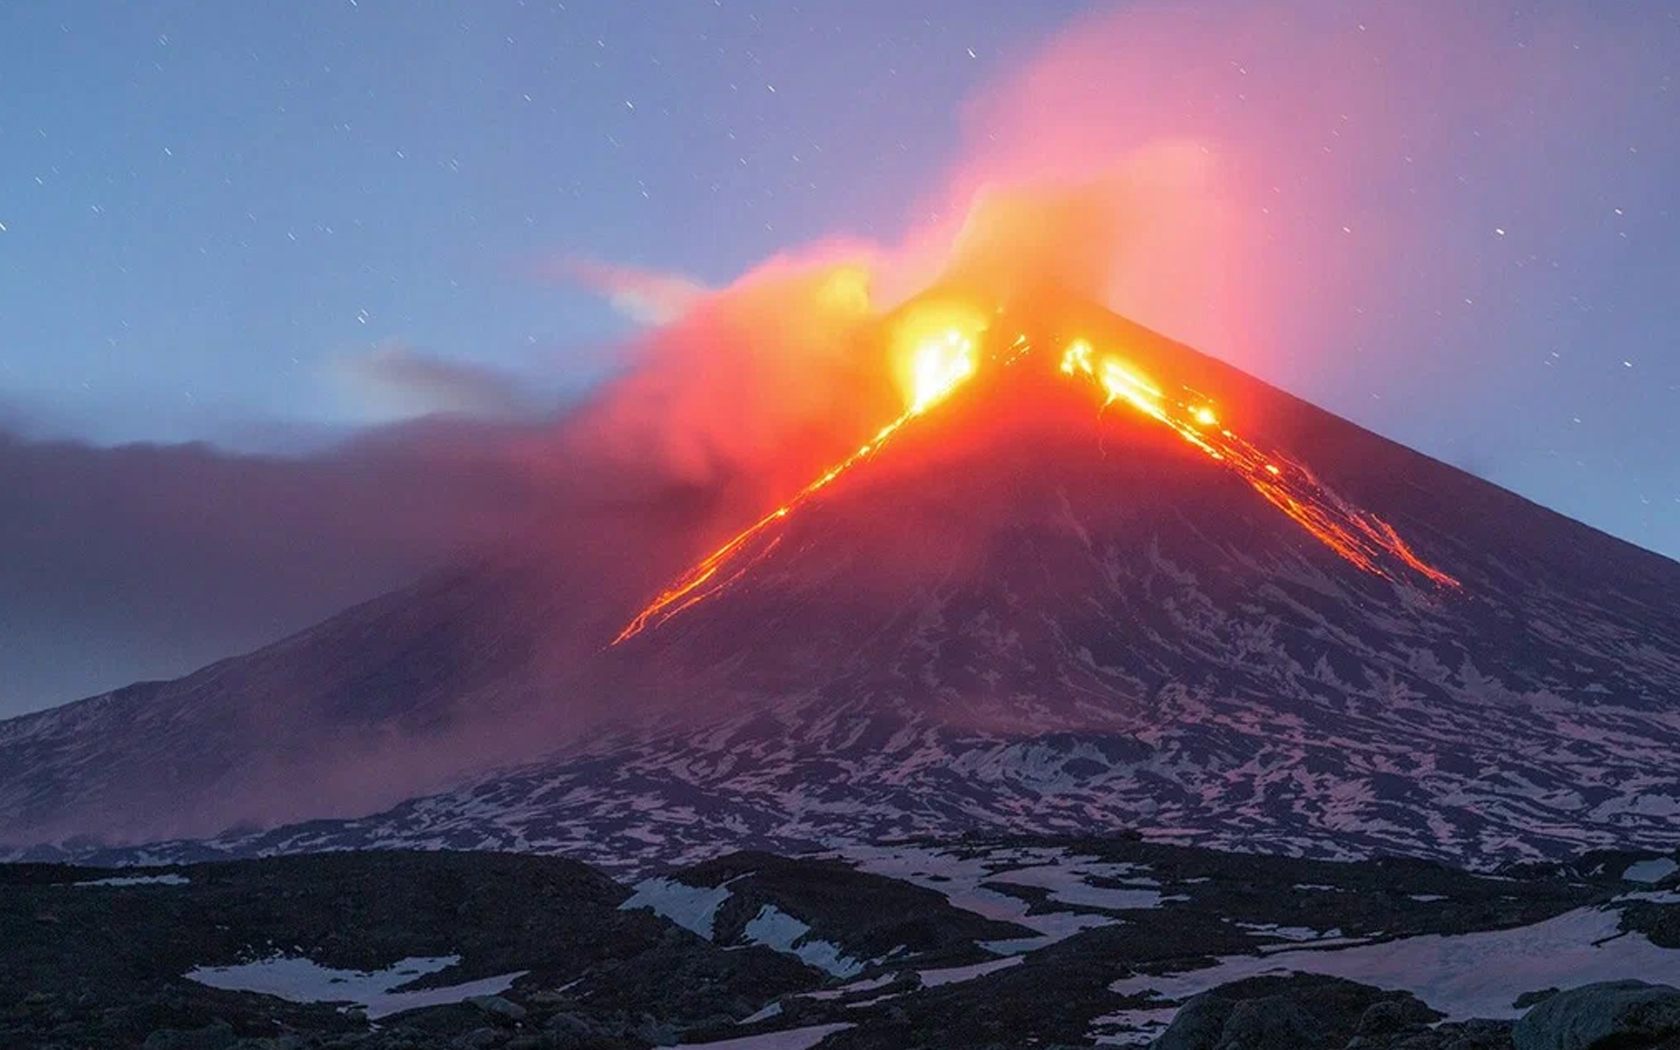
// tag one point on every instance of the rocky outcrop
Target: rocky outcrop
(1614, 1015)
(1298, 1012)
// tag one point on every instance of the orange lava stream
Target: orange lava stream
(707, 576)
(1360, 537)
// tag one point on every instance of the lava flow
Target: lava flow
(1360, 537)
(937, 366)
(940, 361)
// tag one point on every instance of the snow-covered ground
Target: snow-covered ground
(1068, 880)
(691, 907)
(953, 974)
(867, 985)
(1462, 975)
(1289, 933)
(695, 908)
(302, 980)
(1654, 870)
(976, 882)
(137, 880)
(776, 929)
(1131, 1027)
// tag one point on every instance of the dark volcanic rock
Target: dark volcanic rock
(499, 1008)
(1614, 1015)
(96, 958)
(108, 969)
(218, 1035)
(1299, 1012)
(868, 916)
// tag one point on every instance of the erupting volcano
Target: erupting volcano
(939, 362)
(1081, 579)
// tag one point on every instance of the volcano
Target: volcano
(1090, 581)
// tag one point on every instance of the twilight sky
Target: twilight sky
(271, 227)
(211, 209)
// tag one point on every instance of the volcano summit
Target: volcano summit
(1089, 581)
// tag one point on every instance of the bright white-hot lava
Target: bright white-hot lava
(937, 358)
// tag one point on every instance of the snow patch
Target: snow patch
(1462, 975)
(1290, 933)
(1654, 870)
(776, 929)
(1066, 884)
(868, 985)
(137, 880)
(953, 974)
(694, 908)
(1131, 1027)
(963, 881)
(302, 980)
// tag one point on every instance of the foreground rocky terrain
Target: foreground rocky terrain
(994, 942)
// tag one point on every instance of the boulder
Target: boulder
(499, 1008)
(1619, 1014)
(479, 1039)
(1298, 1012)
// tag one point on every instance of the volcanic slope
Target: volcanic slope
(1042, 607)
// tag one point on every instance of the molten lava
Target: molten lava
(935, 347)
(938, 367)
(936, 358)
(1360, 537)
(938, 364)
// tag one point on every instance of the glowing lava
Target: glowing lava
(937, 365)
(1360, 537)
(935, 347)
(941, 353)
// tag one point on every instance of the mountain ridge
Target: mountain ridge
(1081, 616)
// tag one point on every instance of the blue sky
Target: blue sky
(208, 206)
